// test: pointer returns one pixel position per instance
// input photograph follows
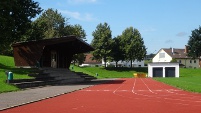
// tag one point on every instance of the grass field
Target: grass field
(7, 64)
(111, 72)
(190, 79)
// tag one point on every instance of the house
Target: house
(55, 52)
(167, 54)
(89, 61)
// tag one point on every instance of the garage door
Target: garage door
(157, 72)
(170, 72)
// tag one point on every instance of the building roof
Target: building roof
(78, 45)
(89, 60)
(176, 53)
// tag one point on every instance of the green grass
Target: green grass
(190, 80)
(110, 72)
(7, 64)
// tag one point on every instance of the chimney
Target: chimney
(186, 49)
(173, 51)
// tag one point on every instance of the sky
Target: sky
(162, 23)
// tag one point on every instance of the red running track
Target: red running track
(139, 95)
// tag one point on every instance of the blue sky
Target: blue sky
(162, 23)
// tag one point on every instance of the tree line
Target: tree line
(128, 46)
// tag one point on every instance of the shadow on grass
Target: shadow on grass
(18, 70)
(95, 82)
(4, 66)
(123, 69)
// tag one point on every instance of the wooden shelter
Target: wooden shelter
(55, 52)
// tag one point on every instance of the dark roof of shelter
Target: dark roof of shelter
(177, 53)
(72, 41)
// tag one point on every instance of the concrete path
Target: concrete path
(14, 99)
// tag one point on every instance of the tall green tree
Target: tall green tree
(76, 30)
(194, 43)
(102, 39)
(53, 23)
(117, 52)
(15, 19)
(133, 45)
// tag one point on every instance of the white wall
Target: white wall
(126, 63)
(166, 58)
(151, 65)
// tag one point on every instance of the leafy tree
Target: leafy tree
(76, 30)
(36, 31)
(173, 60)
(133, 44)
(15, 19)
(194, 43)
(117, 52)
(53, 23)
(102, 42)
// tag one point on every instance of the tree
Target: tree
(15, 19)
(102, 42)
(117, 52)
(194, 43)
(53, 23)
(76, 30)
(173, 60)
(133, 44)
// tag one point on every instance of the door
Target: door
(54, 59)
(157, 71)
(170, 72)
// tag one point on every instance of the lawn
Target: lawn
(7, 64)
(110, 72)
(190, 80)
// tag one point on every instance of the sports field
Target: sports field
(129, 95)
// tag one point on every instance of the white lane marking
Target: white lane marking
(147, 87)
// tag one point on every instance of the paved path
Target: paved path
(14, 99)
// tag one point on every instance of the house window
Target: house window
(180, 61)
(161, 55)
(190, 61)
(194, 61)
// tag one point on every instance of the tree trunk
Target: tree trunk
(105, 61)
(116, 63)
(131, 63)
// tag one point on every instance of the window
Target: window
(161, 55)
(190, 61)
(194, 61)
(180, 61)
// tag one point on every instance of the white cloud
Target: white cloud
(81, 1)
(181, 34)
(168, 41)
(78, 16)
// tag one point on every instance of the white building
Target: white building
(164, 69)
(125, 63)
(166, 55)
